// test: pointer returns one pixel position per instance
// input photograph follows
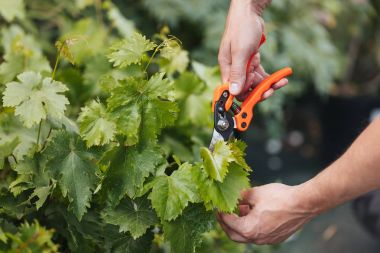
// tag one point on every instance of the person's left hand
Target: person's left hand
(269, 214)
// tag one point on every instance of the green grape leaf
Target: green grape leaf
(130, 50)
(237, 148)
(128, 169)
(132, 215)
(123, 243)
(35, 98)
(171, 194)
(12, 9)
(142, 108)
(41, 193)
(216, 162)
(221, 195)
(31, 176)
(95, 126)
(73, 166)
(188, 84)
(10, 129)
(185, 233)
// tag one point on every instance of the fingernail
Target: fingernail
(234, 88)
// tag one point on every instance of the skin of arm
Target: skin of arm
(240, 42)
(271, 213)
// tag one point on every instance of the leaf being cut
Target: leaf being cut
(221, 195)
(95, 126)
(185, 233)
(35, 98)
(171, 194)
(142, 108)
(132, 215)
(73, 166)
(216, 162)
(130, 50)
(128, 169)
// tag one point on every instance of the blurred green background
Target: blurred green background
(333, 47)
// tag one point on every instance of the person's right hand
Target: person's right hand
(241, 38)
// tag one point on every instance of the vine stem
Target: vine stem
(39, 133)
(161, 45)
(154, 54)
(57, 61)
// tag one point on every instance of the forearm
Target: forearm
(355, 173)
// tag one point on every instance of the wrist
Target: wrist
(310, 199)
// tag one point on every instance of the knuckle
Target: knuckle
(222, 59)
(236, 72)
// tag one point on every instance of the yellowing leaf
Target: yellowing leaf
(35, 98)
(95, 126)
(130, 50)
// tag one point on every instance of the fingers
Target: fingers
(247, 197)
(244, 210)
(280, 84)
(230, 233)
(238, 70)
(275, 86)
(234, 222)
(224, 59)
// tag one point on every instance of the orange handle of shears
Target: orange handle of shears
(244, 117)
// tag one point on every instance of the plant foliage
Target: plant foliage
(100, 147)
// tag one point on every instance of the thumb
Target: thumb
(238, 73)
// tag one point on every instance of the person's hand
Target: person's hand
(269, 214)
(238, 57)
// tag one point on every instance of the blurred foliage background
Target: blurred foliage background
(332, 45)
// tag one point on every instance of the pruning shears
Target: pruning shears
(229, 115)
